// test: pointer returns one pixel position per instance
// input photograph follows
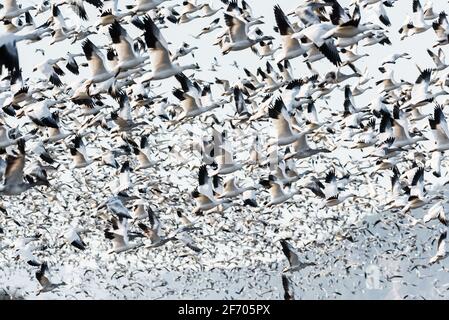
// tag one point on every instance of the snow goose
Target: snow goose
(378, 9)
(122, 43)
(8, 136)
(238, 31)
(302, 150)
(153, 232)
(12, 10)
(79, 154)
(214, 25)
(402, 136)
(95, 60)
(72, 236)
(420, 94)
(419, 24)
(343, 43)
(417, 198)
(282, 124)
(440, 131)
(109, 16)
(205, 202)
(24, 250)
(46, 284)
(161, 64)
(436, 212)
(315, 34)
(441, 249)
(439, 59)
(119, 236)
(293, 258)
(231, 189)
(330, 192)
(441, 29)
(142, 152)
(144, 5)
(184, 50)
(51, 71)
(116, 205)
(291, 47)
(78, 6)
(225, 161)
(123, 117)
(56, 133)
(350, 28)
(13, 183)
(391, 59)
(277, 193)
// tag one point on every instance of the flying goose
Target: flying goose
(441, 249)
(436, 212)
(285, 133)
(161, 64)
(118, 234)
(11, 10)
(78, 6)
(95, 60)
(277, 193)
(46, 285)
(438, 59)
(238, 31)
(122, 43)
(293, 258)
(79, 154)
(13, 183)
(72, 236)
(291, 47)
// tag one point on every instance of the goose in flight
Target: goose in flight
(351, 28)
(79, 153)
(11, 10)
(436, 212)
(419, 24)
(123, 45)
(291, 47)
(277, 193)
(153, 232)
(282, 123)
(206, 202)
(162, 66)
(329, 192)
(46, 284)
(293, 258)
(315, 33)
(13, 183)
(95, 60)
(190, 98)
(214, 25)
(24, 249)
(78, 6)
(72, 236)
(441, 249)
(439, 59)
(440, 130)
(141, 6)
(238, 31)
(118, 234)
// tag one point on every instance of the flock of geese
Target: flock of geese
(121, 161)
